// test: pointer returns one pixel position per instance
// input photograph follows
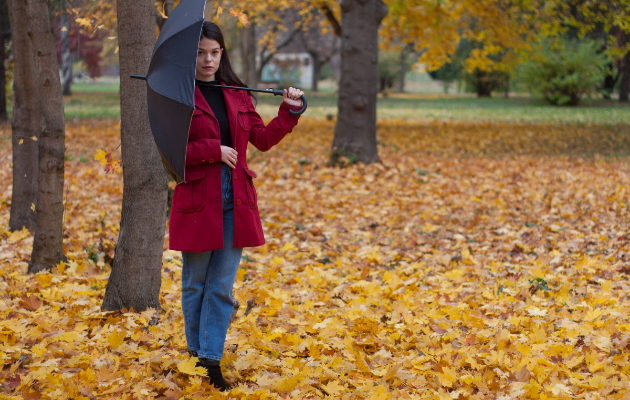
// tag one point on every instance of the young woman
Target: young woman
(214, 213)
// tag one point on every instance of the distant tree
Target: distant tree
(5, 34)
(601, 19)
(320, 44)
(66, 61)
(563, 75)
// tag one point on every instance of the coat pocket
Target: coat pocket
(190, 196)
(251, 189)
(243, 120)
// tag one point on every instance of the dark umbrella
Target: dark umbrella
(171, 84)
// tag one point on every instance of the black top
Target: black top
(214, 98)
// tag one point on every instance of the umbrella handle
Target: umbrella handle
(304, 103)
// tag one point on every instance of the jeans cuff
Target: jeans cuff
(209, 356)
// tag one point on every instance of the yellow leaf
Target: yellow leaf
(574, 362)
(333, 388)
(116, 338)
(288, 246)
(536, 312)
(429, 227)
(189, 367)
(21, 141)
(34, 138)
(68, 336)
(242, 18)
(33, 206)
(448, 377)
(16, 236)
(391, 372)
(100, 155)
(361, 364)
(84, 22)
(560, 388)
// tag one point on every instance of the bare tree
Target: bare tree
(321, 49)
(136, 272)
(66, 61)
(25, 122)
(247, 44)
(267, 52)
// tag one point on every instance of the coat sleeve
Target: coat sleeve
(265, 137)
(203, 150)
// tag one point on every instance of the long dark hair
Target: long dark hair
(224, 73)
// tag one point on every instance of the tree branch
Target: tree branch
(332, 20)
(284, 43)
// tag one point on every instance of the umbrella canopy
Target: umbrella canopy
(171, 83)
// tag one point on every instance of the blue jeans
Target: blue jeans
(207, 281)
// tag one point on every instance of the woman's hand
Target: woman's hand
(228, 156)
(292, 98)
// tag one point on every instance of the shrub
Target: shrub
(564, 73)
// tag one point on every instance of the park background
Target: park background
(480, 252)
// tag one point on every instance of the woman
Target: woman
(214, 213)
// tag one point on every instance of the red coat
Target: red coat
(196, 222)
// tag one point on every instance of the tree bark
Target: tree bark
(136, 271)
(248, 52)
(66, 62)
(624, 88)
(4, 35)
(355, 132)
(48, 238)
(25, 122)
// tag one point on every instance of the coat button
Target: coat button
(211, 160)
(238, 202)
(234, 175)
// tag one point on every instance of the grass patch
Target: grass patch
(102, 100)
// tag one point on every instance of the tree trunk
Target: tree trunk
(248, 52)
(66, 62)
(136, 271)
(403, 69)
(25, 122)
(4, 34)
(48, 238)
(355, 132)
(317, 69)
(624, 88)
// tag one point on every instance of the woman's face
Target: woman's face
(208, 59)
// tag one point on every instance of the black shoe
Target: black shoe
(214, 374)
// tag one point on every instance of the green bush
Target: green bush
(388, 69)
(565, 73)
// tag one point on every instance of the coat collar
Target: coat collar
(232, 102)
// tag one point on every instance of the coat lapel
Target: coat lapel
(232, 102)
(201, 103)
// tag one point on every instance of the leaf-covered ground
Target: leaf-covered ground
(476, 261)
